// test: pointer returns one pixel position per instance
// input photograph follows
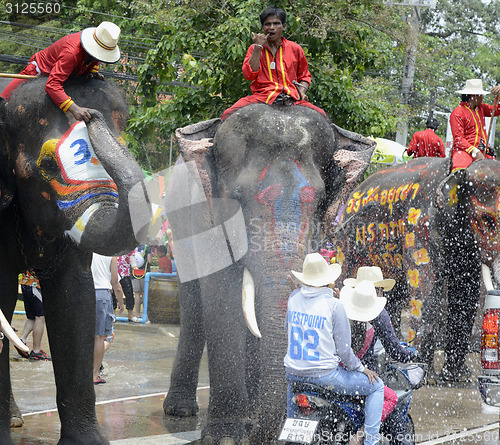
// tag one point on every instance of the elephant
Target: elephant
(245, 204)
(63, 195)
(424, 226)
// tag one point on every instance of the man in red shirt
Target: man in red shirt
(426, 142)
(76, 54)
(468, 124)
(277, 67)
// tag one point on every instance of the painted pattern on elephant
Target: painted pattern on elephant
(425, 227)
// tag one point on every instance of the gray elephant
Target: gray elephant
(244, 212)
(64, 194)
(424, 227)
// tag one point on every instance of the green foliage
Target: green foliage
(203, 44)
(187, 56)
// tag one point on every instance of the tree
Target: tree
(199, 58)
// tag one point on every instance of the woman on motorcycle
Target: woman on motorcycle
(319, 338)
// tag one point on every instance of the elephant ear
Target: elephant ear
(195, 142)
(7, 179)
(351, 160)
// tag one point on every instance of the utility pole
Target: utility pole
(413, 21)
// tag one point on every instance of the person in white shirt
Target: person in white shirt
(319, 343)
(105, 274)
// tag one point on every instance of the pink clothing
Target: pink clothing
(390, 402)
(123, 262)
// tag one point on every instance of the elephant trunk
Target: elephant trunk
(271, 306)
(109, 230)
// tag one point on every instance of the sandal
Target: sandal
(99, 380)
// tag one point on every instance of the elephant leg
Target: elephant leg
(463, 298)
(69, 306)
(397, 300)
(428, 326)
(226, 334)
(181, 396)
(16, 417)
(8, 284)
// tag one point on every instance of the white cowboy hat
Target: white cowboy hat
(101, 42)
(373, 274)
(473, 86)
(361, 302)
(316, 271)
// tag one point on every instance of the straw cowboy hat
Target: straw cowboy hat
(361, 302)
(473, 86)
(373, 274)
(316, 272)
(101, 42)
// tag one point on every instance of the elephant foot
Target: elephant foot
(89, 438)
(432, 377)
(458, 374)
(16, 417)
(224, 434)
(16, 421)
(180, 407)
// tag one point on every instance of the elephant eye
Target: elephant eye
(49, 167)
(488, 222)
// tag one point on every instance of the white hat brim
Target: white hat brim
(97, 52)
(330, 277)
(365, 314)
(386, 284)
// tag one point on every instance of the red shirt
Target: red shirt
(165, 264)
(426, 143)
(277, 73)
(468, 126)
(61, 60)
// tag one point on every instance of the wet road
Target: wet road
(137, 369)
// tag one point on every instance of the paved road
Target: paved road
(137, 369)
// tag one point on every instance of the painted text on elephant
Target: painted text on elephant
(383, 197)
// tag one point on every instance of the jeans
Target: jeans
(350, 383)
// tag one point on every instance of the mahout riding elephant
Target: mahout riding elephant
(63, 195)
(250, 205)
(424, 226)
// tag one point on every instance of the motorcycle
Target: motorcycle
(319, 416)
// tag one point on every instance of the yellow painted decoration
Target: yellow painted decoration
(416, 308)
(413, 216)
(410, 240)
(421, 257)
(411, 335)
(414, 277)
(453, 195)
(80, 225)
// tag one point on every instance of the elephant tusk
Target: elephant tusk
(248, 303)
(11, 335)
(488, 283)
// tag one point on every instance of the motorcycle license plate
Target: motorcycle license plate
(298, 430)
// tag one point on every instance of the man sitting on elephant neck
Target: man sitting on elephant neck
(276, 66)
(76, 54)
(468, 125)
